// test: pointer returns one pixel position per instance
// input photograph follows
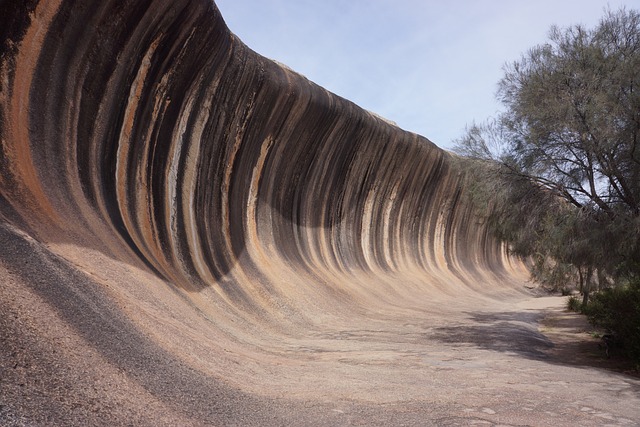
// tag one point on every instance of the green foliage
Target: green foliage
(618, 311)
(537, 225)
(574, 304)
(557, 174)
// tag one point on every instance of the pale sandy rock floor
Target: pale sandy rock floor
(70, 356)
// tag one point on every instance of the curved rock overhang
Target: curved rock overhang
(225, 205)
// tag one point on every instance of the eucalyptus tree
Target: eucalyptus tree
(570, 129)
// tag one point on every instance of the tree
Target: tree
(570, 130)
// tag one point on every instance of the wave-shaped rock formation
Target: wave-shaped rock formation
(195, 234)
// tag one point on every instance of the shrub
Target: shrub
(574, 304)
(618, 311)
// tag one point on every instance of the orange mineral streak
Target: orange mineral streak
(235, 245)
(124, 157)
(26, 177)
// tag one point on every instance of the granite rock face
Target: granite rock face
(159, 172)
(152, 120)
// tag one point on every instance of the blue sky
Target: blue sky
(430, 66)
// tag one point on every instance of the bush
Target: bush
(618, 311)
(574, 304)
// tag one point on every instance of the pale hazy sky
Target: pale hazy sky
(431, 66)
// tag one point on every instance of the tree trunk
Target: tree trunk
(581, 280)
(587, 286)
(602, 280)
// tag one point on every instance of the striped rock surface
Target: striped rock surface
(192, 233)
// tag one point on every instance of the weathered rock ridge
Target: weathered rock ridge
(152, 122)
(217, 235)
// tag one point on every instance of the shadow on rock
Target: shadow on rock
(507, 332)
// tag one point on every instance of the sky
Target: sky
(430, 66)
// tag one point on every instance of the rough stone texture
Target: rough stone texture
(193, 234)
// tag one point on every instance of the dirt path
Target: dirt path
(576, 342)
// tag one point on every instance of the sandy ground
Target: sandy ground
(71, 355)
